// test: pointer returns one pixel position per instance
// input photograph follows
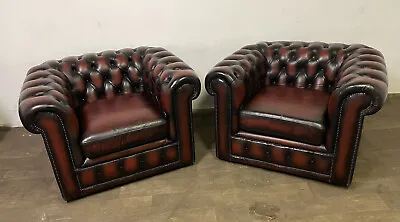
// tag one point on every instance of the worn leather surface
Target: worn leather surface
(354, 76)
(98, 130)
(287, 112)
(111, 125)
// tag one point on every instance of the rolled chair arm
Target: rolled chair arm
(173, 85)
(364, 71)
(361, 89)
(46, 107)
(165, 74)
(233, 80)
(45, 90)
(243, 71)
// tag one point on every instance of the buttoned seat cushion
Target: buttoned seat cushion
(287, 112)
(125, 121)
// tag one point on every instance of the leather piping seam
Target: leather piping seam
(229, 118)
(125, 157)
(338, 130)
(49, 151)
(178, 120)
(357, 141)
(337, 133)
(279, 146)
(281, 166)
(320, 148)
(355, 149)
(122, 131)
(216, 124)
(191, 127)
(230, 109)
(68, 146)
(256, 114)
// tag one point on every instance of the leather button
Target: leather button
(275, 54)
(311, 161)
(246, 147)
(288, 156)
(268, 154)
(39, 94)
(168, 79)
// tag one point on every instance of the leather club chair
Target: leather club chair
(296, 107)
(111, 118)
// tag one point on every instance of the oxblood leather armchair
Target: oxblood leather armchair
(296, 107)
(113, 117)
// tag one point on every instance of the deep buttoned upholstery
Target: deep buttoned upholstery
(297, 107)
(113, 117)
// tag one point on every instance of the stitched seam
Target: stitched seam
(216, 125)
(279, 146)
(69, 149)
(101, 137)
(126, 157)
(250, 114)
(50, 154)
(176, 120)
(242, 134)
(191, 131)
(280, 166)
(357, 142)
(358, 135)
(337, 135)
(229, 120)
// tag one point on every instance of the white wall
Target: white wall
(201, 32)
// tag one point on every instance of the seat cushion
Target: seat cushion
(111, 125)
(288, 113)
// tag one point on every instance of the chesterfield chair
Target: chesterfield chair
(296, 107)
(111, 118)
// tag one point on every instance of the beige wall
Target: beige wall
(201, 32)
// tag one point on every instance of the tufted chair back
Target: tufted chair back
(102, 75)
(304, 65)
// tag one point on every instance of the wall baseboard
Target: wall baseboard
(393, 95)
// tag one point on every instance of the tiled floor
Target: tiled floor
(211, 190)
